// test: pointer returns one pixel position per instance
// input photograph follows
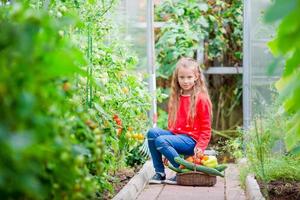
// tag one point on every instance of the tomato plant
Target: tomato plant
(63, 78)
(39, 157)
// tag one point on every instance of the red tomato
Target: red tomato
(198, 161)
(190, 159)
(119, 122)
(181, 167)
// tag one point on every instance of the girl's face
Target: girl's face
(186, 79)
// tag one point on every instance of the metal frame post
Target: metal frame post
(151, 60)
(247, 66)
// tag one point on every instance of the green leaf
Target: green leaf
(282, 82)
(295, 151)
(91, 1)
(280, 9)
(288, 33)
(287, 86)
(292, 63)
(293, 135)
(274, 64)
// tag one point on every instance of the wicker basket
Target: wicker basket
(195, 178)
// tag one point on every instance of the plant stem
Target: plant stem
(260, 155)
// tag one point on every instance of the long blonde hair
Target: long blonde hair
(199, 87)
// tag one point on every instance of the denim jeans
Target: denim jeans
(164, 142)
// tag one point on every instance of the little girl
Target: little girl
(189, 122)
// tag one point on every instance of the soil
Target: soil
(281, 190)
(120, 179)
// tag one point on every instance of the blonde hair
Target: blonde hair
(199, 87)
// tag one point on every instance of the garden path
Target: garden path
(227, 188)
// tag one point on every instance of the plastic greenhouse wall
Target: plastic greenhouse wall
(258, 84)
(133, 18)
(136, 16)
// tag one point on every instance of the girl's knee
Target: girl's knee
(160, 142)
(152, 133)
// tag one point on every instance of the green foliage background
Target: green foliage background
(217, 23)
(64, 75)
(286, 46)
(266, 154)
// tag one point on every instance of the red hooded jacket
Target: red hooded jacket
(200, 130)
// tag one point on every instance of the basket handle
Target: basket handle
(194, 162)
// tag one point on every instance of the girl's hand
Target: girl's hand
(198, 152)
(165, 161)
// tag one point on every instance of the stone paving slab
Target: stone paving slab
(233, 187)
(227, 188)
(176, 192)
(151, 192)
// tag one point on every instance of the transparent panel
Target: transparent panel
(260, 31)
(262, 84)
(133, 17)
(261, 59)
(138, 29)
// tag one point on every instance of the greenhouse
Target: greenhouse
(150, 99)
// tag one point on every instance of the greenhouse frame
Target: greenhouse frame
(149, 99)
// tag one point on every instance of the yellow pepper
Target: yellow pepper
(210, 162)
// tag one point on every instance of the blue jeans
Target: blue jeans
(164, 142)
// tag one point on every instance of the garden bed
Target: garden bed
(281, 190)
(120, 179)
